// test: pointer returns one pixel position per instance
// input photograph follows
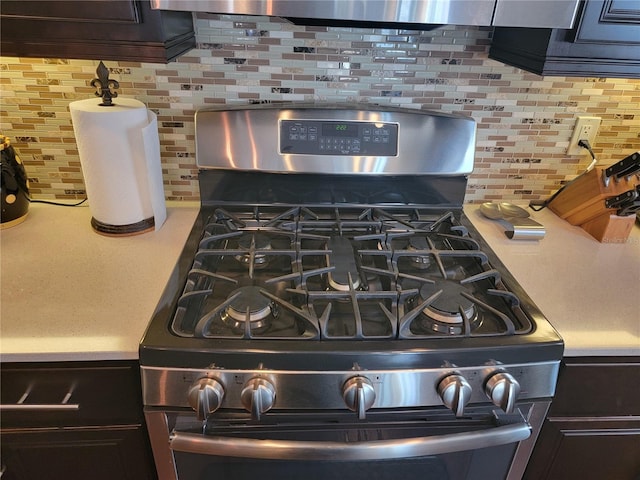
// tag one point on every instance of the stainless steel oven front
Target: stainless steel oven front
(270, 422)
(421, 444)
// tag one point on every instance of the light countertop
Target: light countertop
(68, 293)
(589, 291)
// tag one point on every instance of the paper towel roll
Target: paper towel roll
(120, 156)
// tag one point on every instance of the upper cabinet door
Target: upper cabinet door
(95, 30)
(611, 21)
(116, 12)
(605, 43)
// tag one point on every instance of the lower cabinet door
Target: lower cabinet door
(91, 453)
(592, 431)
(587, 449)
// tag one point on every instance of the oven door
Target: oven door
(419, 444)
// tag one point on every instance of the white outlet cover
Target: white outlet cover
(591, 124)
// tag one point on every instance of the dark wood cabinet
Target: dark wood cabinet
(592, 431)
(120, 30)
(73, 420)
(604, 43)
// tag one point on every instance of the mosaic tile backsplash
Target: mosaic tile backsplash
(524, 121)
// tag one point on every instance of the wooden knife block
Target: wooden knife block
(609, 228)
(582, 203)
(583, 199)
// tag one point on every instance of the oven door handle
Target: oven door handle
(373, 450)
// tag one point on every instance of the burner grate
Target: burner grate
(342, 273)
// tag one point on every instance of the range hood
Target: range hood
(408, 13)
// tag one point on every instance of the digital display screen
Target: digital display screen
(338, 137)
(339, 130)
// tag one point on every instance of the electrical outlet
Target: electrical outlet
(586, 129)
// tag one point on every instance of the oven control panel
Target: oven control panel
(359, 390)
(326, 137)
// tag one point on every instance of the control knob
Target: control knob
(455, 392)
(502, 389)
(258, 396)
(205, 397)
(359, 395)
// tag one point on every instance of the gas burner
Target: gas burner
(420, 261)
(341, 258)
(447, 313)
(251, 244)
(260, 308)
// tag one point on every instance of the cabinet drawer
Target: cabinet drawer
(70, 394)
(597, 386)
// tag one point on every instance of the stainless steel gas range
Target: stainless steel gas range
(334, 312)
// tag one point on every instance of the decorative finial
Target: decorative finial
(105, 86)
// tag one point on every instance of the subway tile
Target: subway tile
(524, 121)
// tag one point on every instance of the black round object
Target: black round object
(14, 187)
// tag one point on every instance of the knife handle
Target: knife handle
(623, 198)
(624, 167)
(629, 209)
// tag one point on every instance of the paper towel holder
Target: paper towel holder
(105, 86)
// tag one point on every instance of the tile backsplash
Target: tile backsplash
(524, 121)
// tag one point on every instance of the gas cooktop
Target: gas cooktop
(338, 273)
(339, 231)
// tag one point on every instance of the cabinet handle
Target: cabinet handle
(39, 406)
(20, 405)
